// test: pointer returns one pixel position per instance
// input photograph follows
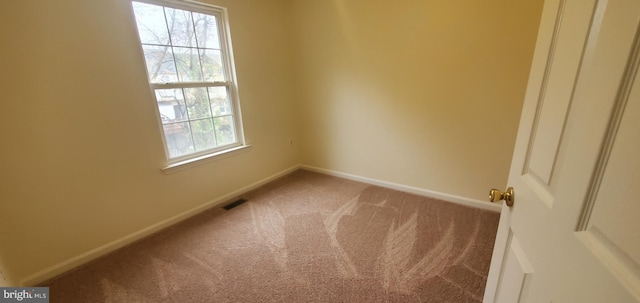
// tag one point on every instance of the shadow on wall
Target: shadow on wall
(4, 281)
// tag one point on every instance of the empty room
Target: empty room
(319, 151)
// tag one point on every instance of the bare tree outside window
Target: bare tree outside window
(186, 63)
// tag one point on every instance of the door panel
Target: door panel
(612, 226)
(572, 233)
(516, 270)
(556, 62)
(556, 87)
(612, 215)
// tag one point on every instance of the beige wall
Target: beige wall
(80, 148)
(424, 93)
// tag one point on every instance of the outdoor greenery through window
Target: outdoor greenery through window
(190, 70)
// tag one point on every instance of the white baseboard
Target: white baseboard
(410, 189)
(76, 261)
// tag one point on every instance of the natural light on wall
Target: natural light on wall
(190, 68)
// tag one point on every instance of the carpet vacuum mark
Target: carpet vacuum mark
(306, 237)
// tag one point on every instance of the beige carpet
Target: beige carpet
(304, 238)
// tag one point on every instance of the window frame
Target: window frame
(231, 83)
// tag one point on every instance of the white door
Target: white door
(573, 233)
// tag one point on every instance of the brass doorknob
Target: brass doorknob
(508, 196)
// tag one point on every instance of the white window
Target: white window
(187, 51)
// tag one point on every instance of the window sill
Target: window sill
(185, 164)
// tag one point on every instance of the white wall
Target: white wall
(424, 93)
(81, 151)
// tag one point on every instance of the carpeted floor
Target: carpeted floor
(306, 237)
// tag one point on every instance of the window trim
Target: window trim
(177, 163)
(195, 161)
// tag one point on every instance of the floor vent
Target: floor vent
(234, 204)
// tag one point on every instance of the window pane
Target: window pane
(188, 64)
(178, 138)
(160, 64)
(151, 23)
(203, 135)
(197, 103)
(206, 31)
(225, 133)
(181, 49)
(180, 27)
(171, 105)
(220, 104)
(212, 65)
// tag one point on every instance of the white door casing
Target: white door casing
(573, 234)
